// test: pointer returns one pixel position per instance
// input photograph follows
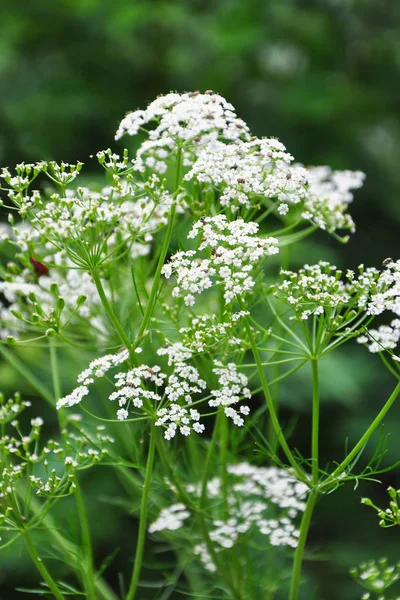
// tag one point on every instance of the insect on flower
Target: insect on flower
(40, 268)
(387, 262)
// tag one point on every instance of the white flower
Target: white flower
(171, 518)
(122, 414)
(234, 251)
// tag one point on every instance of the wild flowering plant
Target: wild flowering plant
(165, 281)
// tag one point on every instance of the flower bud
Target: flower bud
(81, 300)
(16, 314)
(366, 501)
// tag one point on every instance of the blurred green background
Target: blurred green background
(324, 77)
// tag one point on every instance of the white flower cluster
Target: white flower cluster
(97, 368)
(181, 385)
(377, 577)
(131, 391)
(232, 385)
(116, 214)
(315, 289)
(170, 400)
(247, 173)
(234, 251)
(328, 197)
(319, 289)
(123, 216)
(187, 120)
(176, 352)
(385, 297)
(175, 416)
(170, 518)
(25, 173)
(206, 332)
(266, 498)
(233, 389)
(245, 170)
(386, 337)
(81, 449)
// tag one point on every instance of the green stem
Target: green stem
(88, 570)
(109, 310)
(164, 249)
(315, 424)
(55, 371)
(364, 439)
(298, 557)
(143, 518)
(207, 465)
(41, 568)
(270, 404)
(223, 453)
(274, 389)
(55, 376)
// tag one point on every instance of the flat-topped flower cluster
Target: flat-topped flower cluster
(244, 171)
(189, 121)
(233, 250)
(170, 397)
(265, 499)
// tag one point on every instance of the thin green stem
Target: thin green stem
(143, 518)
(55, 376)
(88, 568)
(298, 557)
(223, 453)
(315, 424)
(109, 310)
(207, 465)
(274, 389)
(55, 371)
(41, 567)
(364, 438)
(270, 405)
(163, 253)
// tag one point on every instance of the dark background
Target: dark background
(324, 77)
